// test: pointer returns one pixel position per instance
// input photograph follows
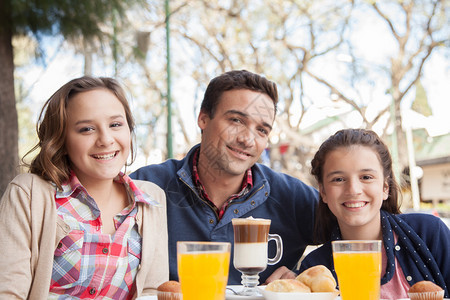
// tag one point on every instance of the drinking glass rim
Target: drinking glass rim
(355, 241)
(203, 243)
(254, 221)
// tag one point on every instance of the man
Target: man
(219, 179)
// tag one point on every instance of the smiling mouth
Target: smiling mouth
(238, 151)
(105, 156)
(354, 204)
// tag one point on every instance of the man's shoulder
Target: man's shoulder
(168, 168)
(271, 173)
(153, 171)
(280, 180)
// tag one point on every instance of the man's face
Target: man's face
(234, 138)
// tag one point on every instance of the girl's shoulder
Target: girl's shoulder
(29, 181)
(147, 187)
(417, 217)
(424, 223)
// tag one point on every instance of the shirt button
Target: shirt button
(252, 203)
(92, 291)
(211, 221)
(59, 245)
(409, 278)
(266, 194)
(105, 250)
(397, 248)
(236, 211)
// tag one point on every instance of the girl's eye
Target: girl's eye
(337, 179)
(116, 124)
(86, 129)
(367, 177)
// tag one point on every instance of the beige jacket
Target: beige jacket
(30, 232)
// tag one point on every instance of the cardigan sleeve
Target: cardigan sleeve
(15, 237)
(154, 268)
(27, 238)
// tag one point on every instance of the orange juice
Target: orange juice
(358, 274)
(203, 275)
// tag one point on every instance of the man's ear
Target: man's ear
(202, 120)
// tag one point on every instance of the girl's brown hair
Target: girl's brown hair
(325, 221)
(52, 162)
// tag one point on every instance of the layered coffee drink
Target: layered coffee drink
(250, 251)
(250, 244)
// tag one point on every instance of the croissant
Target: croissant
(318, 278)
(288, 286)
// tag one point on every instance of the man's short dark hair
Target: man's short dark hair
(236, 80)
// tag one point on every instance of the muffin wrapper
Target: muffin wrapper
(427, 295)
(169, 296)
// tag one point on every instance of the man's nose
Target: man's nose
(246, 136)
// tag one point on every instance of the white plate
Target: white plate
(147, 298)
(230, 296)
(269, 295)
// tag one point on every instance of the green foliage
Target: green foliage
(69, 18)
(420, 103)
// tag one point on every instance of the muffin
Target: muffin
(169, 290)
(425, 290)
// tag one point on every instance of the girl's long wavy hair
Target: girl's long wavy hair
(325, 221)
(52, 162)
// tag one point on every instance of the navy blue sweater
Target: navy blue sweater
(422, 249)
(287, 201)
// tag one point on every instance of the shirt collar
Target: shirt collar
(247, 182)
(73, 184)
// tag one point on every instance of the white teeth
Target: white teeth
(354, 204)
(240, 152)
(105, 156)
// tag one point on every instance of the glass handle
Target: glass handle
(279, 243)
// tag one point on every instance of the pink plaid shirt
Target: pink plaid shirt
(88, 263)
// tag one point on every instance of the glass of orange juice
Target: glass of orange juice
(358, 268)
(203, 269)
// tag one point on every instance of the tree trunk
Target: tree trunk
(9, 159)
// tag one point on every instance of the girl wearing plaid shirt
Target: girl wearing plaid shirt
(76, 226)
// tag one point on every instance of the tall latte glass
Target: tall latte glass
(251, 237)
(358, 268)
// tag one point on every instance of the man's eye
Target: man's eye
(264, 131)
